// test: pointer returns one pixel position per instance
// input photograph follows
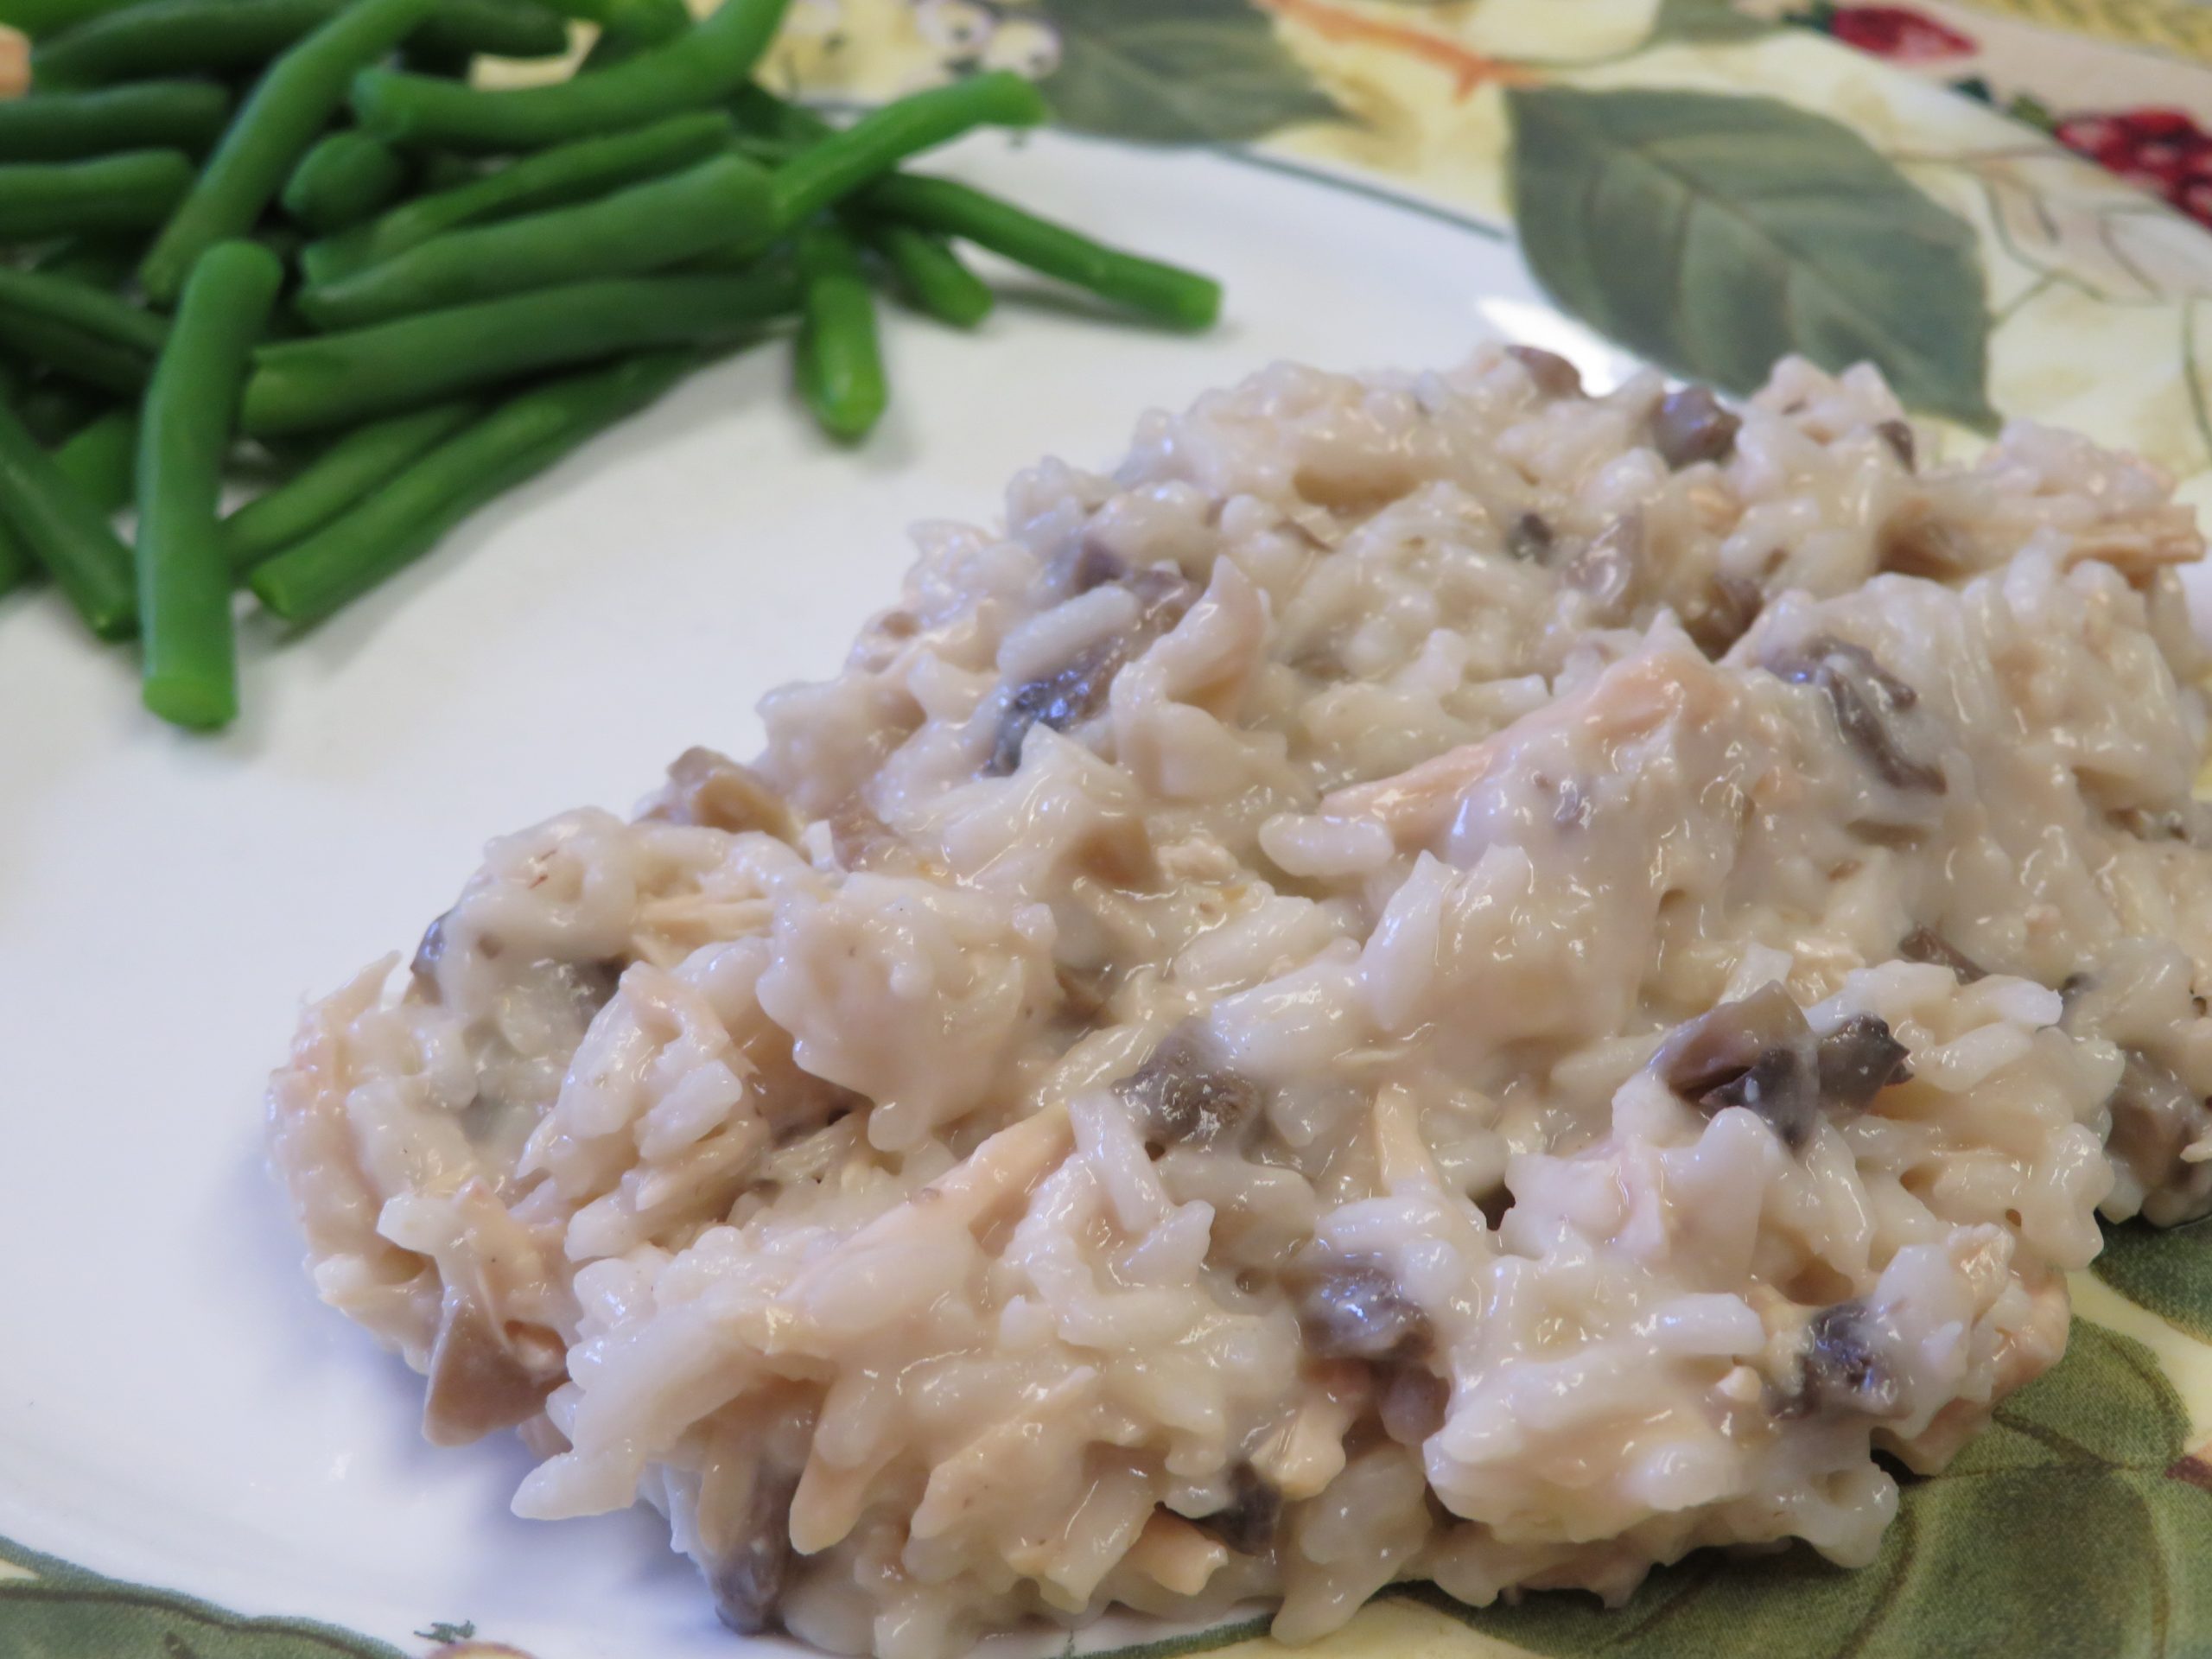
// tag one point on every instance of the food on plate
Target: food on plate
(495, 274)
(1436, 977)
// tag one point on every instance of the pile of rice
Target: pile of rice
(1436, 977)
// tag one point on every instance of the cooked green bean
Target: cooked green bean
(761, 113)
(188, 648)
(704, 64)
(80, 305)
(56, 406)
(95, 260)
(85, 358)
(101, 460)
(646, 227)
(65, 533)
(91, 336)
(932, 277)
(39, 18)
(840, 365)
(343, 180)
(180, 37)
(873, 145)
(154, 114)
(404, 519)
(288, 107)
(571, 172)
(133, 190)
(302, 385)
(335, 479)
(494, 28)
(1174, 295)
(629, 27)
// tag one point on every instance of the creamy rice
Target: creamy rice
(1436, 977)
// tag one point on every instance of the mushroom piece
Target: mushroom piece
(707, 788)
(747, 1573)
(1758, 1054)
(1926, 944)
(484, 1377)
(1075, 691)
(1182, 1095)
(1690, 426)
(1353, 1309)
(1248, 1523)
(1866, 700)
(1843, 1366)
(1554, 376)
(1859, 1059)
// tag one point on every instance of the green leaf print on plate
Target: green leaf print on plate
(2167, 1270)
(50, 1610)
(1705, 21)
(1176, 72)
(1714, 234)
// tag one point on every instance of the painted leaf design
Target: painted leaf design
(1713, 234)
(2168, 1270)
(61, 1611)
(1176, 72)
(1705, 21)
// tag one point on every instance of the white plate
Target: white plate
(175, 1408)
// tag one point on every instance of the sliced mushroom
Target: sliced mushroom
(1554, 376)
(707, 788)
(1353, 1309)
(1531, 538)
(1758, 1054)
(748, 1573)
(483, 1377)
(1248, 1523)
(1690, 426)
(1413, 1404)
(1605, 567)
(1730, 607)
(1183, 1094)
(1074, 692)
(1843, 1366)
(2156, 1116)
(1899, 437)
(1868, 702)
(1926, 944)
(424, 968)
(1859, 1059)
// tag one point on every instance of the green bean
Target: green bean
(406, 517)
(174, 37)
(177, 37)
(549, 179)
(645, 228)
(101, 459)
(85, 358)
(346, 378)
(95, 260)
(704, 64)
(629, 27)
(845, 160)
(761, 113)
(292, 103)
(96, 311)
(91, 336)
(1169, 292)
(55, 407)
(154, 114)
(65, 533)
(334, 480)
(932, 277)
(495, 29)
(39, 18)
(187, 649)
(130, 191)
(344, 178)
(840, 365)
